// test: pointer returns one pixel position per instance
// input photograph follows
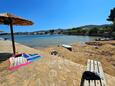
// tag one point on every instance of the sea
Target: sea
(48, 40)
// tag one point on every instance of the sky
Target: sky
(54, 14)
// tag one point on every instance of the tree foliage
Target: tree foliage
(93, 31)
(111, 17)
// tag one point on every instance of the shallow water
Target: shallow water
(49, 40)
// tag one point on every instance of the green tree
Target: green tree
(93, 31)
(111, 18)
(51, 31)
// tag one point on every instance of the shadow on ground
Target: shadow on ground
(4, 56)
(87, 75)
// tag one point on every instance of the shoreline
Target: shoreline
(72, 63)
(103, 51)
(46, 41)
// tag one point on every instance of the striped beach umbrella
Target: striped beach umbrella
(10, 20)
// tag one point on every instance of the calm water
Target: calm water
(49, 40)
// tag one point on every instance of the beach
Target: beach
(103, 51)
(57, 43)
(64, 69)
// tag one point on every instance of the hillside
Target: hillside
(90, 30)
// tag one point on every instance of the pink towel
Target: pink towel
(18, 66)
(17, 62)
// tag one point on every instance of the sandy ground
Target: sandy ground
(105, 53)
(65, 69)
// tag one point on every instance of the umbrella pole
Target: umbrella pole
(12, 36)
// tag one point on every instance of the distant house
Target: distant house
(1, 31)
(58, 31)
(40, 32)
